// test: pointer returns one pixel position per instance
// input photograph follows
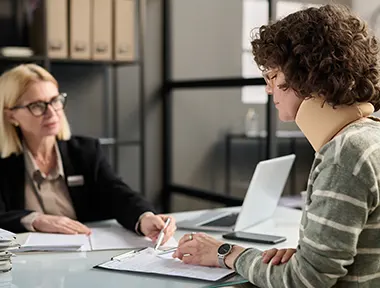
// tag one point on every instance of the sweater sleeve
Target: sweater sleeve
(334, 219)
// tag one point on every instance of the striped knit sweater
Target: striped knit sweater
(339, 243)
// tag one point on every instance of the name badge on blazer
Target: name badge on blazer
(75, 180)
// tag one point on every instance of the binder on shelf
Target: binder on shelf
(56, 45)
(80, 29)
(101, 48)
(124, 30)
(56, 24)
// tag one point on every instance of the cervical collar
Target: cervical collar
(320, 122)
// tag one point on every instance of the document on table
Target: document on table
(55, 242)
(117, 237)
(5, 234)
(150, 261)
(108, 237)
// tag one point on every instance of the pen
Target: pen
(168, 251)
(161, 235)
(127, 254)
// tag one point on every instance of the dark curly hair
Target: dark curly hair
(324, 51)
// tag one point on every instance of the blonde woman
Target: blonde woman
(51, 181)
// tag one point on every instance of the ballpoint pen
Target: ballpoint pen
(161, 235)
(127, 254)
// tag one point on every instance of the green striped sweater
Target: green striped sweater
(339, 241)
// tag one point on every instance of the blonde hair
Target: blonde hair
(13, 84)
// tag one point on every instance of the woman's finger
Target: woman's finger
(80, 228)
(166, 238)
(269, 254)
(172, 226)
(289, 253)
(165, 217)
(186, 248)
(172, 232)
(189, 247)
(169, 234)
(185, 238)
(65, 229)
(153, 234)
(72, 225)
(84, 228)
(191, 259)
(158, 222)
(277, 258)
(182, 254)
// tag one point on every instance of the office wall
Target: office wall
(369, 12)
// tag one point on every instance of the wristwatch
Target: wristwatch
(223, 251)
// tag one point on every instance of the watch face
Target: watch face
(224, 249)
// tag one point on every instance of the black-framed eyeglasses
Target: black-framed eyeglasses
(39, 108)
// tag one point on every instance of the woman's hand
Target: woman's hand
(202, 249)
(151, 225)
(59, 224)
(277, 257)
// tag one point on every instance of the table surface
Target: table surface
(75, 269)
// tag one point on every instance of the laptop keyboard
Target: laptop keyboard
(225, 221)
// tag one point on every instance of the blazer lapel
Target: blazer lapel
(71, 170)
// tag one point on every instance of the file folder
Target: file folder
(101, 30)
(124, 25)
(80, 30)
(56, 25)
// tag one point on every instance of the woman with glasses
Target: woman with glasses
(51, 181)
(322, 70)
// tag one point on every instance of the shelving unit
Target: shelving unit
(169, 85)
(110, 138)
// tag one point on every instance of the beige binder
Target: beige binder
(101, 30)
(124, 25)
(80, 32)
(56, 23)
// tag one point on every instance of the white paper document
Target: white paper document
(109, 237)
(116, 237)
(4, 234)
(150, 261)
(55, 242)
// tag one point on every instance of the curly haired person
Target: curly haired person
(322, 69)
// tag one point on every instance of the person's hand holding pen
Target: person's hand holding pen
(151, 226)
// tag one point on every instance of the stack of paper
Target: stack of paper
(7, 242)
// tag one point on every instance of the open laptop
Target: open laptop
(260, 202)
